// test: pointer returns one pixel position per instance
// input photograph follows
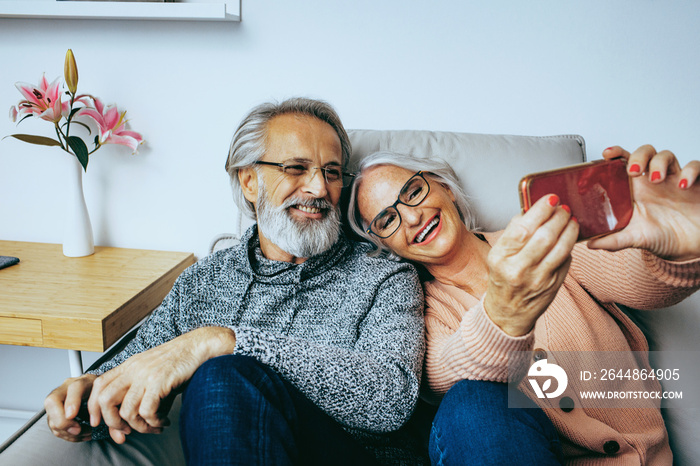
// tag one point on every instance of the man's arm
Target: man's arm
(63, 404)
(131, 396)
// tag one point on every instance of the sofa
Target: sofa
(489, 167)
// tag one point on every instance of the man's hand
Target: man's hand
(136, 394)
(63, 404)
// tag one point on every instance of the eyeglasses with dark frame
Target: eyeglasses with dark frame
(333, 174)
(413, 192)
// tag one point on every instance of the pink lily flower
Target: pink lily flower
(112, 125)
(43, 101)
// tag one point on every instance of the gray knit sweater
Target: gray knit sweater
(344, 328)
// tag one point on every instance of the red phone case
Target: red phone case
(599, 194)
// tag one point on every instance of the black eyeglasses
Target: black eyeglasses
(333, 174)
(414, 191)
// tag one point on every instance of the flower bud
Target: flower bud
(70, 71)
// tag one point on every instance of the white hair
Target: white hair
(437, 168)
(249, 142)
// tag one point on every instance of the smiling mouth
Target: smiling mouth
(427, 229)
(307, 209)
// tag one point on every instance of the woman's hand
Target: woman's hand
(528, 264)
(666, 217)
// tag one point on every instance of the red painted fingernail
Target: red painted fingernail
(609, 148)
(553, 200)
(574, 219)
(635, 168)
(655, 176)
(566, 208)
(683, 184)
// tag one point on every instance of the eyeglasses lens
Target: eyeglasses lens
(413, 193)
(332, 175)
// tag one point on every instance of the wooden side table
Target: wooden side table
(81, 304)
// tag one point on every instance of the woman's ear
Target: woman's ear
(248, 178)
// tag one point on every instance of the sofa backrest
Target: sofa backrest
(489, 166)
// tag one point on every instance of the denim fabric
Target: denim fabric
(236, 410)
(474, 425)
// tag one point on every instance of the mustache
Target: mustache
(307, 202)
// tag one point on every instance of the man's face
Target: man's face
(297, 215)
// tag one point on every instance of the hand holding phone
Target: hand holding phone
(598, 193)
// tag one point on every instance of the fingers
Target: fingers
(150, 412)
(117, 435)
(119, 400)
(646, 160)
(689, 175)
(661, 164)
(522, 227)
(560, 253)
(613, 242)
(614, 152)
(63, 404)
(74, 398)
(139, 410)
(547, 246)
(534, 233)
(104, 402)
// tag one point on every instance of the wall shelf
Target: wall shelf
(182, 11)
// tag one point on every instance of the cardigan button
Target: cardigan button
(539, 354)
(567, 405)
(611, 447)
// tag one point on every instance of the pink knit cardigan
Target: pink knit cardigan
(463, 343)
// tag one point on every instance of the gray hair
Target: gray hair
(438, 168)
(250, 139)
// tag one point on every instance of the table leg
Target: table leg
(76, 363)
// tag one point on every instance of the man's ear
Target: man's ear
(248, 178)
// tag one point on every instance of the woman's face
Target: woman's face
(429, 231)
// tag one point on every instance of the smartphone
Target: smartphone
(598, 193)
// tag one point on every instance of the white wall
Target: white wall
(623, 72)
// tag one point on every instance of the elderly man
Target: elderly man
(289, 346)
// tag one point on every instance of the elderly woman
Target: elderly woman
(532, 287)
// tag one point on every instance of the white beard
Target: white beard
(300, 238)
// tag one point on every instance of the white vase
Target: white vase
(77, 235)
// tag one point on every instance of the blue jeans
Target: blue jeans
(474, 425)
(236, 410)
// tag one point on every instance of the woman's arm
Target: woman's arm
(633, 277)
(464, 343)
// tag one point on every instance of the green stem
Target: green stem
(64, 137)
(61, 138)
(70, 113)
